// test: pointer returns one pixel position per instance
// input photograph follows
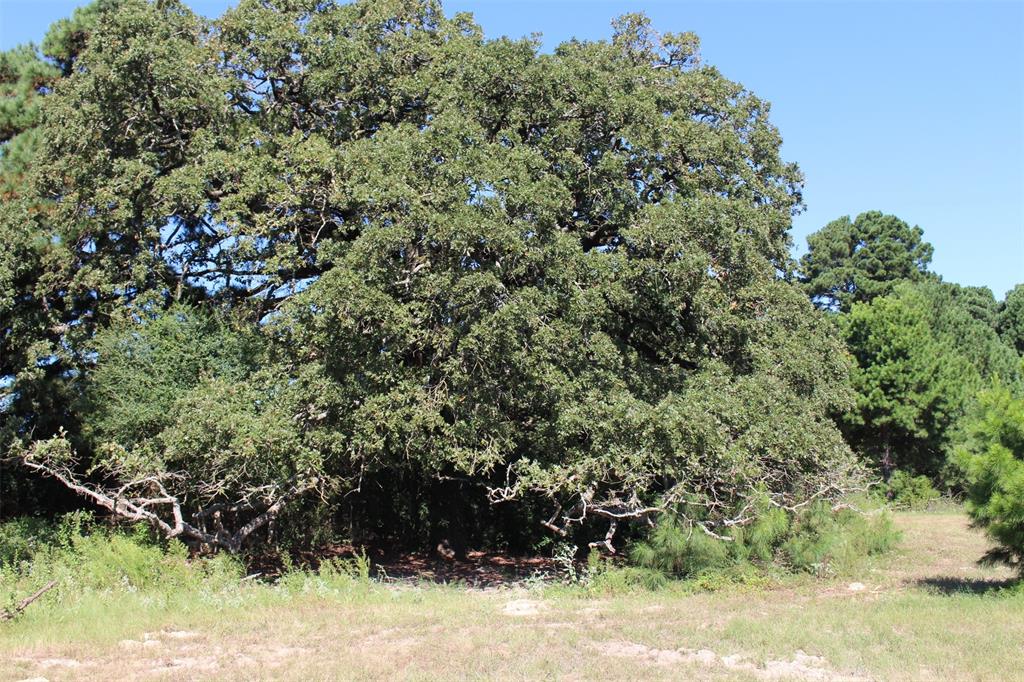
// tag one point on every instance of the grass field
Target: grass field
(928, 612)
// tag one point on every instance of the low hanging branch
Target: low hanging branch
(147, 499)
(609, 536)
(721, 512)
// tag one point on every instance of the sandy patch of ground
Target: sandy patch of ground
(800, 666)
(522, 607)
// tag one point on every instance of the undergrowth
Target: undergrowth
(906, 491)
(90, 562)
(816, 540)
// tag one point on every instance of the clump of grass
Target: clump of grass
(83, 557)
(602, 576)
(333, 577)
(93, 563)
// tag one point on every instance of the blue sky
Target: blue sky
(913, 108)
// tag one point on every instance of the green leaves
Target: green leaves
(146, 366)
(851, 262)
(363, 241)
(922, 347)
(1010, 321)
(992, 459)
(921, 356)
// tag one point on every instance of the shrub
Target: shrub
(992, 459)
(604, 577)
(758, 541)
(81, 554)
(687, 550)
(680, 550)
(906, 491)
(827, 542)
(817, 540)
(21, 538)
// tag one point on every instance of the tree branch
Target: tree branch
(141, 508)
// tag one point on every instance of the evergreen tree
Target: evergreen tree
(34, 315)
(855, 261)
(921, 354)
(992, 459)
(1010, 320)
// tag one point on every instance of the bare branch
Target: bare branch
(296, 490)
(607, 542)
(142, 508)
(10, 614)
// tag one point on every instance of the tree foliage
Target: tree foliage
(361, 246)
(921, 353)
(32, 262)
(907, 382)
(855, 261)
(1010, 320)
(992, 459)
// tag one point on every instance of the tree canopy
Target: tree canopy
(922, 353)
(1010, 320)
(854, 261)
(455, 285)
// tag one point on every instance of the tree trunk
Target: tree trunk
(887, 463)
(447, 520)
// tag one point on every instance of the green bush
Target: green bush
(817, 540)
(827, 542)
(679, 550)
(687, 551)
(992, 459)
(759, 541)
(906, 491)
(739, 575)
(21, 538)
(604, 577)
(81, 554)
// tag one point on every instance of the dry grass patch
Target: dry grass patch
(928, 613)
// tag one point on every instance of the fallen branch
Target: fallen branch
(11, 614)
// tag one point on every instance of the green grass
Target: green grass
(927, 612)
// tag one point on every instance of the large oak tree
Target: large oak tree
(362, 250)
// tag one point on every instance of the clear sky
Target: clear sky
(912, 108)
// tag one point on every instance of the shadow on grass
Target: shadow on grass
(954, 585)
